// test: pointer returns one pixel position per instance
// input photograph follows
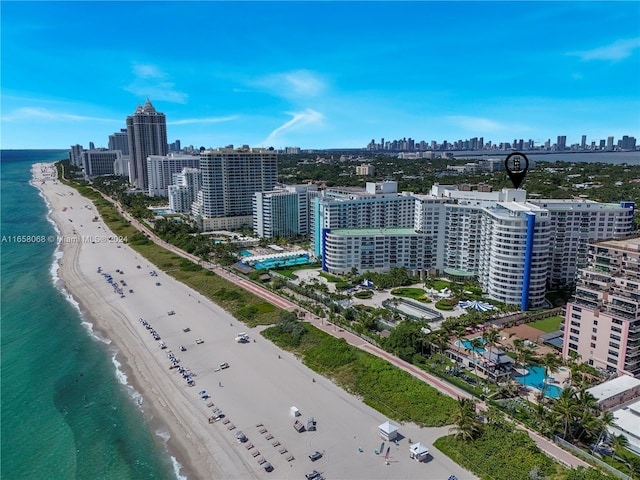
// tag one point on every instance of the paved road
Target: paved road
(543, 443)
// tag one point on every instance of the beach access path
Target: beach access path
(546, 445)
(256, 393)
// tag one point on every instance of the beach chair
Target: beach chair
(290, 457)
(262, 430)
(282, 450)
(268, 436)
(248, 446)
(260, 460)
(231, 427)
(255, 453)
(275, 443)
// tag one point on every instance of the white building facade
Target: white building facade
(162, 168)
(100, 162)
(230, 178)
(499, 238)
(283, 212)
(184, 190)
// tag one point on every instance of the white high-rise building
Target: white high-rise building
(499, 238)
(184, 190)
(574, 224)
(147, 135)
(161, 168)
(283, 212)
(100, 162)
(230, 178)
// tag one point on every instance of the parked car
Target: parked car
(224, 365)
(315, 456)
(313, 475)
(241, 437)
(199, 341)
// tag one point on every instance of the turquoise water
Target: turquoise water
(64, 413)
(267, 264)
(535, 379)
(245, 253)
(466, 344)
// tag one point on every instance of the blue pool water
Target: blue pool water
(246, 253)
(535, 379)
(281, 262)
(467, 345)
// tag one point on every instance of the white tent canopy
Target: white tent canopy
(476, 305)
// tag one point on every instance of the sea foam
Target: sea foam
(177, 466)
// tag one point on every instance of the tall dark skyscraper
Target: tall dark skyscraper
(147, 131)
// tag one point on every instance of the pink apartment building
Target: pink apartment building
(602, 322)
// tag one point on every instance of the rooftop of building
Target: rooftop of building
(367, 232)
(238, 150)
(631, 244)
(613, 387)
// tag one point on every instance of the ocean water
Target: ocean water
(66, 410)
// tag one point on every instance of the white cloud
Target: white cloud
(30, 113)
(296, 84)
(188, 121)
(615, 51)
(150, 82)
(147, 71)
(308, 117)
(478, 124)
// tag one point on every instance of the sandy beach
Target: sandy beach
(255, 393)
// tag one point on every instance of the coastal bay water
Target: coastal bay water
(66, 410)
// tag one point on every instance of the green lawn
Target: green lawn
(414, 293)
(547, 325)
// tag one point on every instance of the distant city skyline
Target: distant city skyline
(321, 74)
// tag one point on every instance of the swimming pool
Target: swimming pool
(281, 262)
(466, 344)
(245, 253)
(535, 379)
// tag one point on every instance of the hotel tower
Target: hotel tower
(147, 131)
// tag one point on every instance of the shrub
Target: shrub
(363, 294)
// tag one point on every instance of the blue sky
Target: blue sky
(320, 74)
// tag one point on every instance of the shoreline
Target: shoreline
(255, 393)
(157, 420)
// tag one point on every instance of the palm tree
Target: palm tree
(491, 338)
(551, 364)
(524, 356)
(619, 443)
(440, 339)
(465, 423)
(607, 419)
(587, 424)
(476, 345)
(565, 409)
